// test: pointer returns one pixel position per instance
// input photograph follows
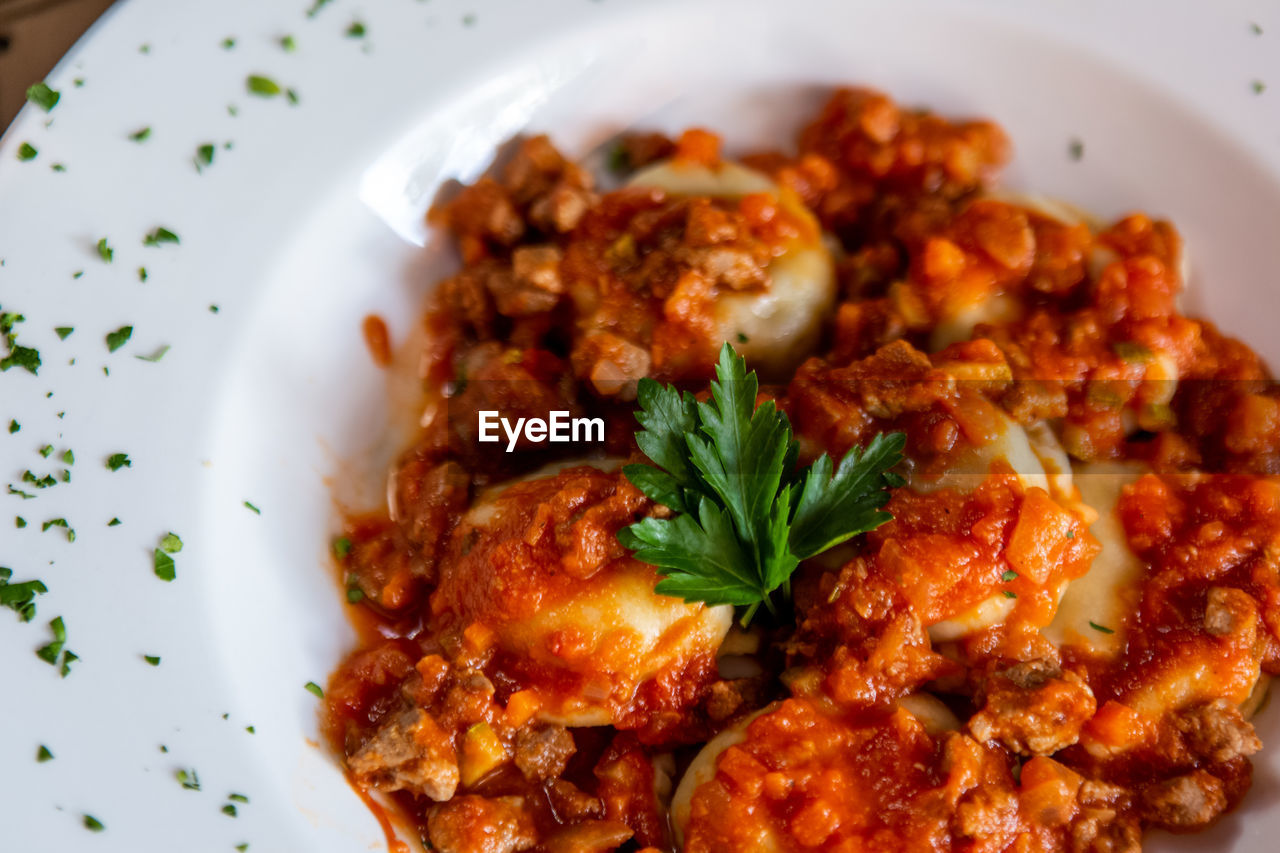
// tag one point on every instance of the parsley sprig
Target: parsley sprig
(744, 514)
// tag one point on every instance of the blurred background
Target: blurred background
(34, 34)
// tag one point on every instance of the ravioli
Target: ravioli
(778, 326)
(537, 563)
(1108, 591)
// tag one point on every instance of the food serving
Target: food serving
(918, 516)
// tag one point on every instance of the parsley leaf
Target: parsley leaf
(155, 356)
(116, 461)
(118, 338)
(105, 251)
(50, 651)
(745, 516)
(164, 567)
(42, 96)
(314, 689)
(27, 151)
(160, 235)
(262, 86)
(141, 134)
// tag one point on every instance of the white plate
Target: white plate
(311, 220)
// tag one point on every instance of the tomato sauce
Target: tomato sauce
(518, 683)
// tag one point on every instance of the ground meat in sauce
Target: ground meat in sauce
(518, 684)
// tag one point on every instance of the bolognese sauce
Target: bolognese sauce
(1056, 642)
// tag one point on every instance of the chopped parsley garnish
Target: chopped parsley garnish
(1095, 626)
(188, 779)
(105, 251)
(160, 235)
(1008, 575)
(28, 358)
(141, 134)
(291, 96)
(251, 730)
(228, 43)
(46, 451)
(67, 658)
(24, 357)
(39, 482)
(20, 597)
(164, 567)
(116, 461)
(27, 151)
(355, 595)
(154, 660)
(262, 86)
(213, 309)
(171, 543)
(341, 547)
(144, 49)
(118, 338)
(142, 274)
(314, 689)
(242, 847)
(59, 522)
(744, 514)
(69, 457)
(1259, 87)
(77, 275)
(239, 798)
(356, 30)
(20, 493)
(204, 156)
(43, 754)
(19, 522)
(253, 509)
(316, 7)
(155, 356)
(57, 167)
(229, 810)
(1255, 28)
(14, 426)
(468, 20)
(288, 44)
(42, 96)
(50, 651)
(1076, 150)
(1008, 593)
(63, 332)
(115, 522)
(92, 824)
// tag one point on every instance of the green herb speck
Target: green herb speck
(262, 86)
(42, 96)
(118, 338)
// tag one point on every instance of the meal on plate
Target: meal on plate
(887, 512)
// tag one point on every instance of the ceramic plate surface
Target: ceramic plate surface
(303, 217)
